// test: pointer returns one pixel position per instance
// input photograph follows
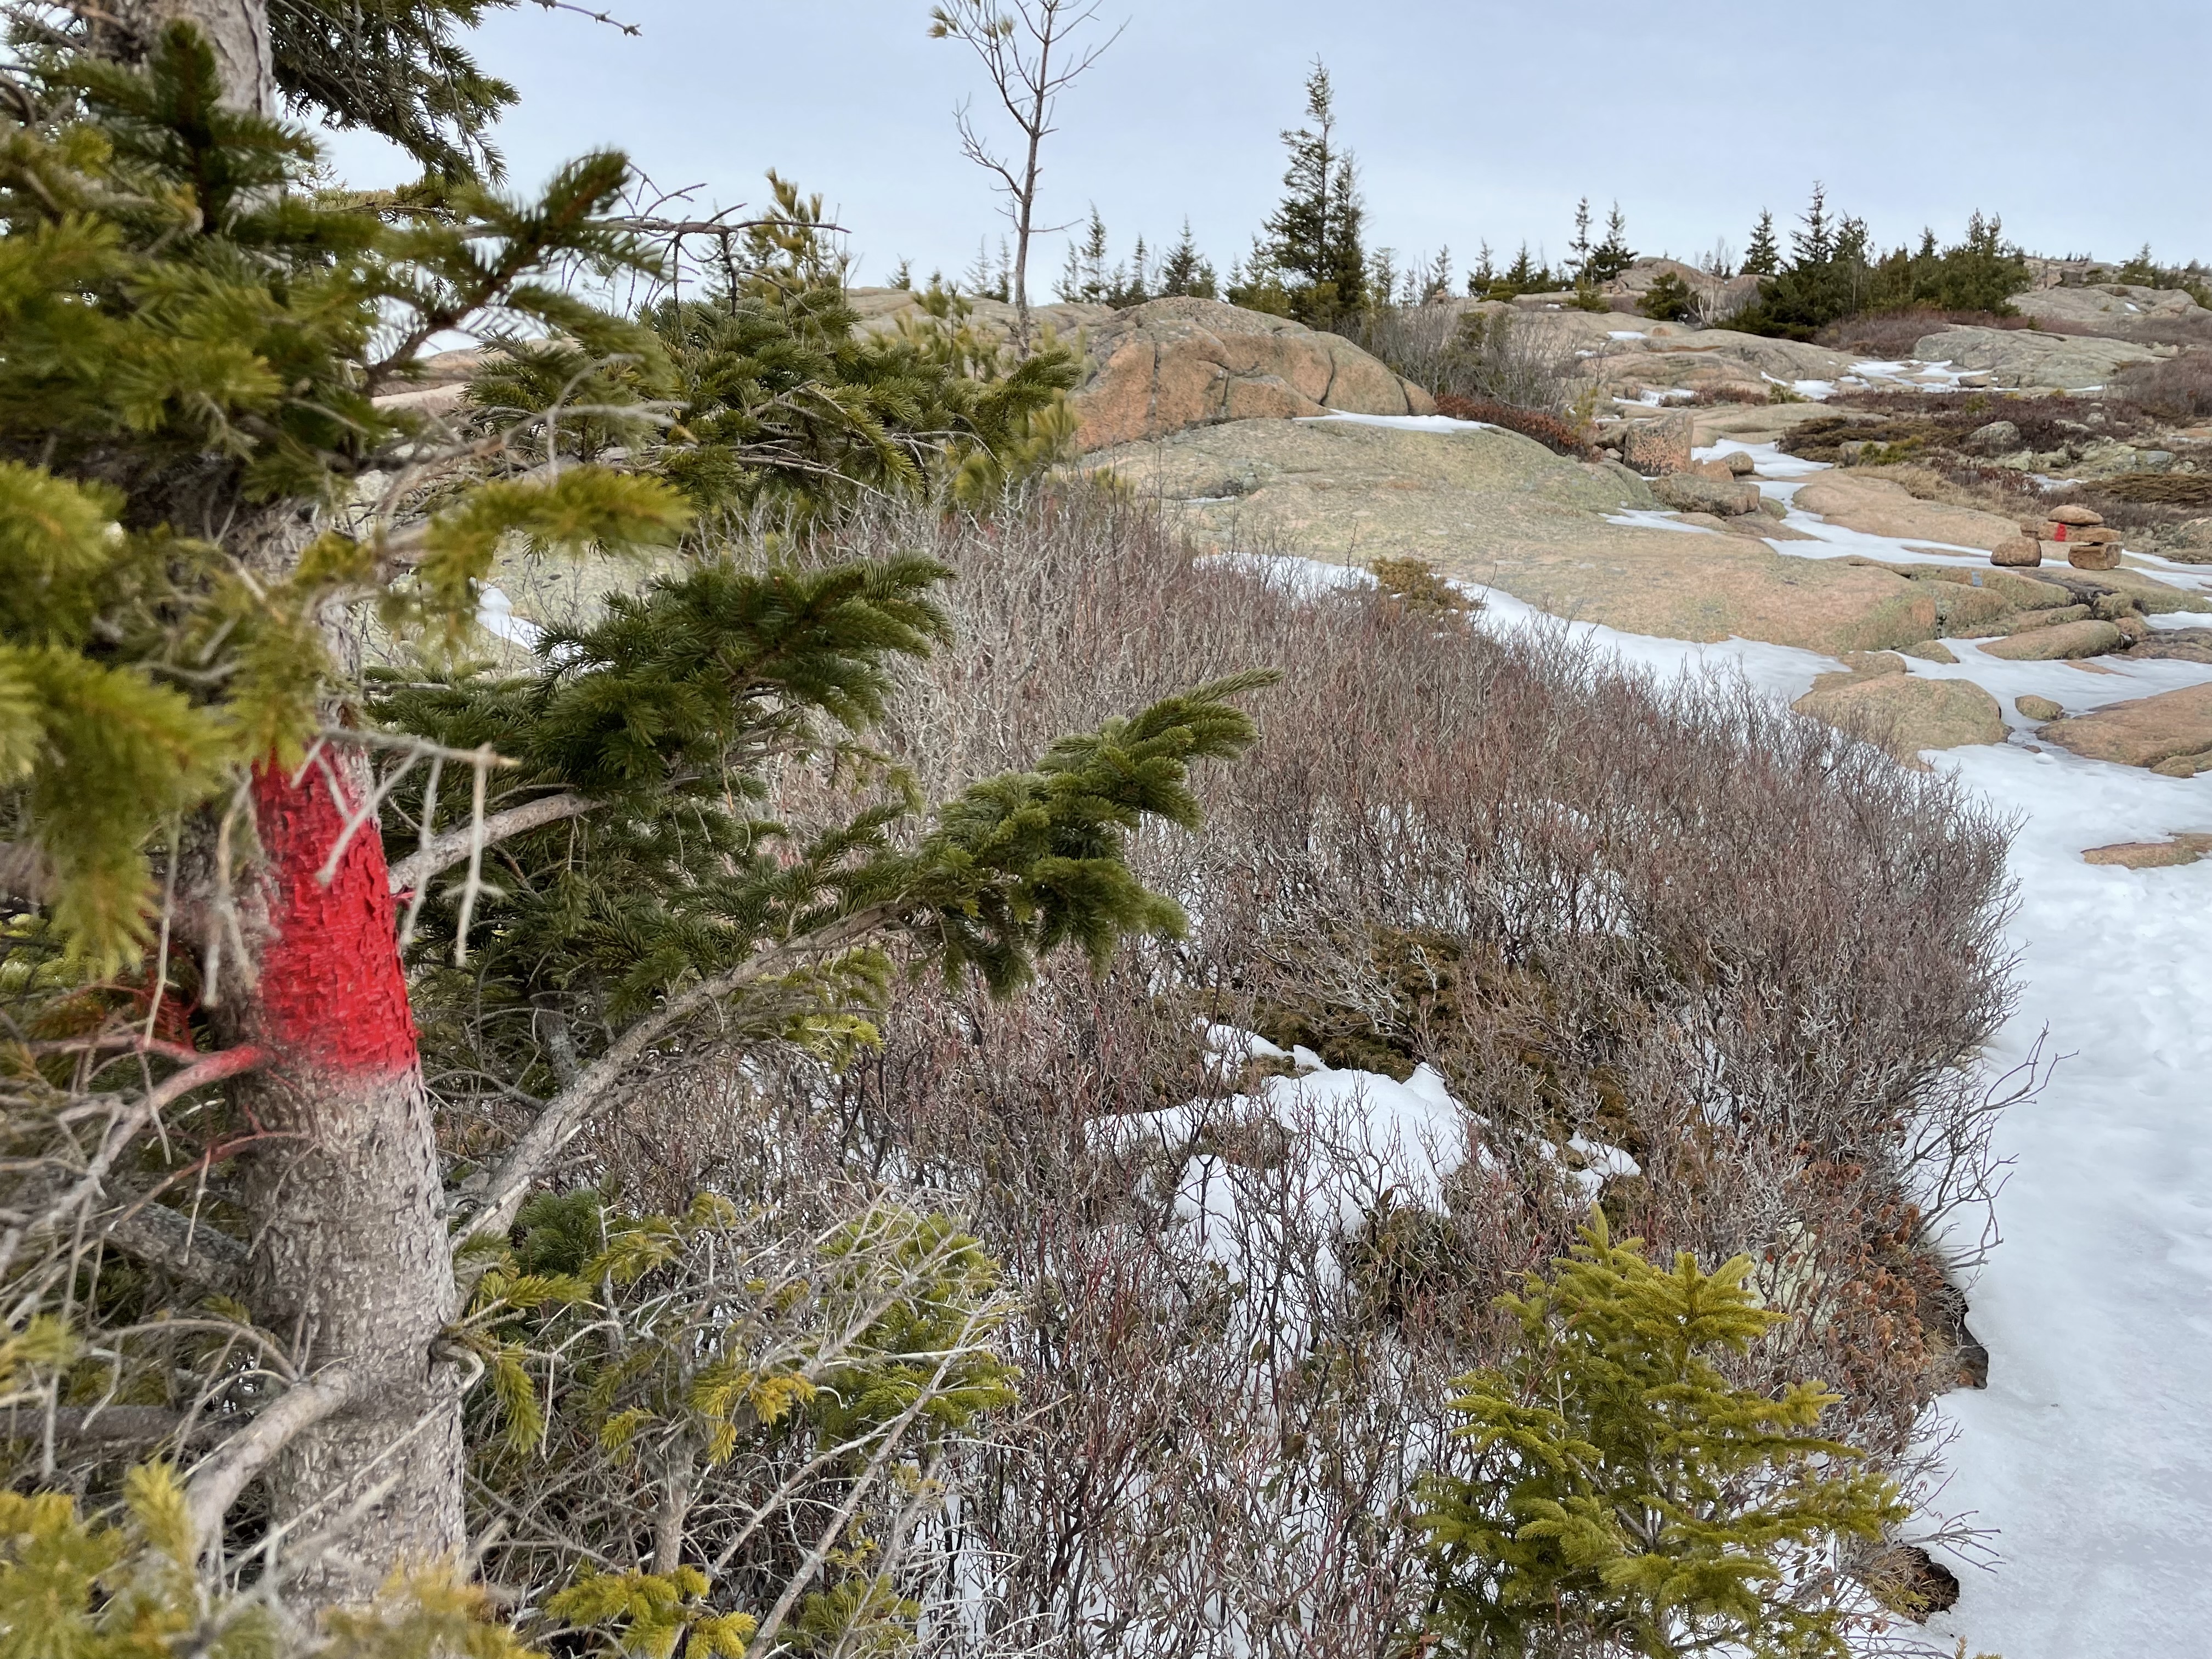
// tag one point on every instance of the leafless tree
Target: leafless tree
(1029, 54)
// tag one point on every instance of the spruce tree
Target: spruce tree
(1614, 255)
(395, 68)
(1763, 258)
(1313, 239)
(1578, 247)
(1814, 243)
(1185, 271)
(1436, 280)
(1625, 1496)
(1484, 277)
(203, 508)
(1082, 277)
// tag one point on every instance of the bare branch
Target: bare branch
(101, 1425)
(569, 1111)
(216, 1483)
(200, 1255)
(443, 851)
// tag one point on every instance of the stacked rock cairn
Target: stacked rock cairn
(2073, 533)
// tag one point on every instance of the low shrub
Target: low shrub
(2179, 388)
(2160, 488)
(1749, 953)
(1547, 429)
(1416, 584)
(1891, 336)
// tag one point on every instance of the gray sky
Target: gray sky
(2082, 124)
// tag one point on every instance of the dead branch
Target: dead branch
(443, 851)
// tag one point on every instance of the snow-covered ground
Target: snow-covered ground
(2090, 1452)
(2089, 1455)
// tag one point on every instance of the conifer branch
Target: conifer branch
(568, 1112)
(200, 1255)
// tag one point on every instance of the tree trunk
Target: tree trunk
(237, 30)
(348, 1259)
(348, 1263)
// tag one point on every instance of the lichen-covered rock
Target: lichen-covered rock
(1882, 506)
(2143, 731)
(1658, 447)
(1497, 509)
(2028, 357)
(2038, 708)
(2075, 639)
(1906, 713)
(1693, 492)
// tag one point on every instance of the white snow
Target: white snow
(2090, 1453)
(496, 616)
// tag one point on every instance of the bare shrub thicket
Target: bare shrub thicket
(1750, 952)
(1500, 356)
(2179, 388)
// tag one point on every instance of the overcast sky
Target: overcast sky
(2081, 121)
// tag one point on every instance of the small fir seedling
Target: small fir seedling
(1625, 1496)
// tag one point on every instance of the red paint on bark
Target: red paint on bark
(331, 992)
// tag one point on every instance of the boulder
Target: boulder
(2143, 731)
(1693, 492)
(1906, 713)
(2038, 708)
(1656, 447)
(1882, 506)
(2021, 551)
(2171, 644)
(2087, 555)
(1169, 364)
(2072, 514)
(2026, 357)
(1929, 651)
(1739, 464)
(2073, 639)
(2151, 854)
(2052, 618)
(1997, 438)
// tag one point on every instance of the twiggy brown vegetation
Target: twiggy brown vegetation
(1753, 954)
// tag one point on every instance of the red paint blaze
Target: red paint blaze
(331, 992)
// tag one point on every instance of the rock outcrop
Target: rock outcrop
(1881, 506)
(1494, 507)
(2169, 732)
(2108, 304)
(2028, 357)
(2086, 637)
(1159, 368)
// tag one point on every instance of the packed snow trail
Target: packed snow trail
(2090, 1454)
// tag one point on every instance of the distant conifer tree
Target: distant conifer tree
(1763, 258)
(1184, 272)
(1313, 239)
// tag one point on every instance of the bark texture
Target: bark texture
(237, 30)
(348, 1259)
